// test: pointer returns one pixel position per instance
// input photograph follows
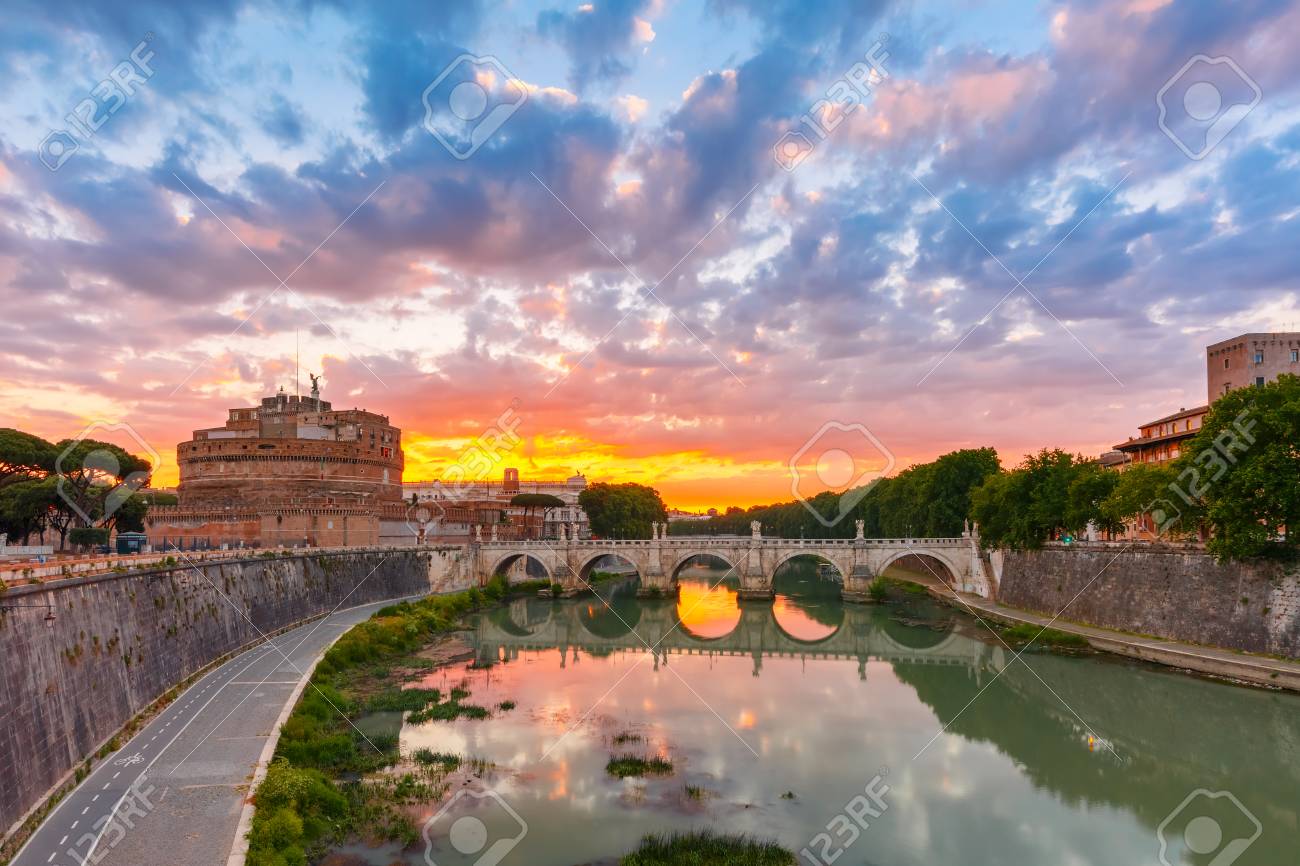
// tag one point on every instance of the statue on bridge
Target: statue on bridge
(494, 532)
(478, 534)
(861, 525)
(755, 529)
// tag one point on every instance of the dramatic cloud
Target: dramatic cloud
(998, 245)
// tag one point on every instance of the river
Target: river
(902, 733)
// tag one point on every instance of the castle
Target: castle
(290, 472)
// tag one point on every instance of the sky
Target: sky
(688, 244)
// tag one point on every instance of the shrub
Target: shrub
(88, 535)
(878, 590)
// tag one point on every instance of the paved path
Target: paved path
(1261, 670)
(176, 790)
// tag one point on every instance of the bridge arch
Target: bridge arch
(726, 558)
(587, 564)
(842, 568)
(506, 562)
(806, 601)
(947, 571)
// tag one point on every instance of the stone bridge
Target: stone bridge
(753, 559)
(535, 624)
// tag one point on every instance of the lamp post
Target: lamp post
(49, 611)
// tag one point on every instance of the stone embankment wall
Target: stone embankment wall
(1170, 592)
(120, 641)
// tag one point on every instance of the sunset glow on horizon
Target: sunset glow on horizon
(636, 260)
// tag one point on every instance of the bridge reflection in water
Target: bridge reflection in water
(993, 760)
(804, 620)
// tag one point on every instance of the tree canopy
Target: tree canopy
(23, 455)
(66, 485)
(1241, 472)
(622, 510)
(536, 500)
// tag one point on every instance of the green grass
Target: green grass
(909, 586)
(706, 848)
(304, 806)
(625, 766)
(1026, 632)
(405, 700)
(878, 590)
(430, 757)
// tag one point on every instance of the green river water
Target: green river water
(901, 734)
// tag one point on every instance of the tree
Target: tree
(999, 506)
(530, 502)
(1145, 489)
(1092, 485)
(26, 507)
(947, 496)
(86, 466)
(24, 456)
(1243, 469)
(1023, 508)
(930, 499)
(622, 510)
(129, 516)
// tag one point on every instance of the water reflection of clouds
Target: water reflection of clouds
(1011, 780)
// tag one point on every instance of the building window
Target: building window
(1226, 387)
(1259, 381)
(1225, 363)
(1295, 355)
(1259, 357)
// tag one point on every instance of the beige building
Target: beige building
(1250, 359)
(1247, 360)
(449, 497)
